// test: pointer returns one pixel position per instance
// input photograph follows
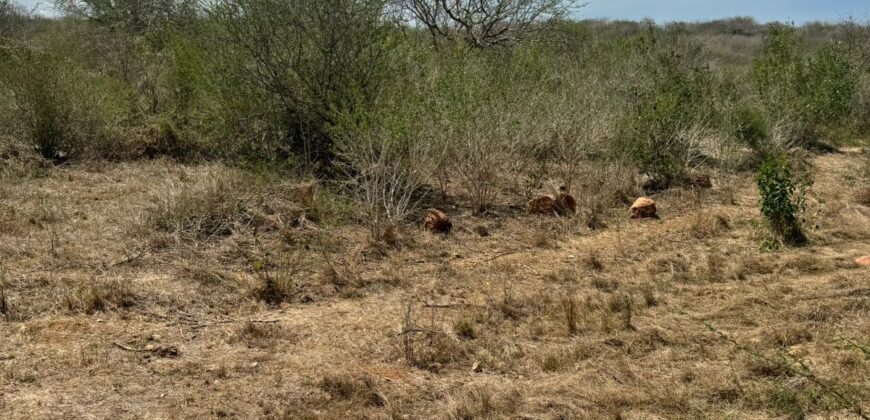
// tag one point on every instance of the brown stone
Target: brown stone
(544, 204)
(437, 221)
(643, 207)
(863, 261)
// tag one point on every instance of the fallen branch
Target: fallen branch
(126, 348)
(129, 259)
(449, 305)
(497, 256)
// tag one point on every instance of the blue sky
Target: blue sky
(799, 11)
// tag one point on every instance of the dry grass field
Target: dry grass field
(159, 290)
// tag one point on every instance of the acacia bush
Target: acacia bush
(12, 17)
(342, 89)
(669, 100)
(812, 92)
(304, 61)
(390, 149)
(58, 107)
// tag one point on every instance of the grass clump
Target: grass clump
(213, 205)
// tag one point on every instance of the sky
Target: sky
(798, 11)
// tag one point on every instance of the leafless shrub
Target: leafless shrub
(483, 155)
(856, 36)
(386, 173)
(579, 128)
(427, 347)
(485, 23)
(601, 186)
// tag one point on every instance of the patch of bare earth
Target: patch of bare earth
(115, 306)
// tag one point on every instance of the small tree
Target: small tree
(389, 148)
(669, 102)
(12, 16)
(782, 199)
(133, 16)
(312, 58)
(810, 91)
(485, 23)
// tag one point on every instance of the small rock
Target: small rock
(643, 207)
(863, 261)
(476, 367)
(437, 221)
(255, 364)
(150, 347)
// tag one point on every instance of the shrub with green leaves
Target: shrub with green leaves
(810, 92)
(302, 62)
(58, 107)
(782, 199)
(670, 98)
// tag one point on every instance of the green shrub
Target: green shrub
(59, 108)
(782, 199)
(812, 92)
(303, 62)
(751, 126)
(669, 101)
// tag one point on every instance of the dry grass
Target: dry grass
(169, 291)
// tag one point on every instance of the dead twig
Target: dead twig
(497, 256)
(129, 259)
(127, 348)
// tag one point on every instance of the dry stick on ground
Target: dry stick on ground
(497, 256)
(127, 348)
(803, 371)
(129, 259)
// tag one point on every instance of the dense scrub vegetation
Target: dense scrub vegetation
(372, 92)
